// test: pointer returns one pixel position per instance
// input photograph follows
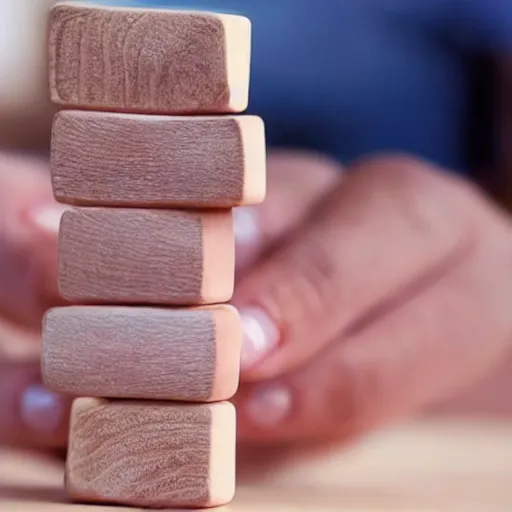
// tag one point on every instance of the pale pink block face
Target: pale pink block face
(109, 159)
(185, 354)
(148, 60)
(136, 256)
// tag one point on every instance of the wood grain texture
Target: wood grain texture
(101, 158)
(184, 354)
(136, 256)
(151, 454)
(148, 60)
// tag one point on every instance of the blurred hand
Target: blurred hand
(366, 295)
(29, 219)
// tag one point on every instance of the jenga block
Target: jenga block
(185, 354)
(101, 158)
(148, 60)
(151, 454)
(132, 256)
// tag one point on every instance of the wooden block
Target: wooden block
(132, 256)
(148, 60)
(151, 454)
(185, 354)
(101, 158)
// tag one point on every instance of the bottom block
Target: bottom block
(151, 454)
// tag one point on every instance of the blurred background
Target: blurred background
(342, 77)
(24, 107)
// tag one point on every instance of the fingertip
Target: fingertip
(260, 337)
(46, 218)
(248, 236)
(44, 416)
(264, 411)
(31, 416)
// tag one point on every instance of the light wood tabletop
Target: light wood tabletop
(424, 467)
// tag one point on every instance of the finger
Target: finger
(391, 223)
(30, 415)
(18, 342)
(425, 349)
(29, 220)
(296, 180)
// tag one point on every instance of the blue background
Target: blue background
(351, 77)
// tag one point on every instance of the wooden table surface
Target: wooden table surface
(423, 467)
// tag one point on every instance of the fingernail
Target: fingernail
(47, 218)
(260, 336)
(247, 233)
(41, 410)
(269, 405)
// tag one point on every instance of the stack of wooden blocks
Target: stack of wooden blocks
(150, 158)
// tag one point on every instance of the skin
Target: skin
(381, 290)
(386, 298)
(356, 341)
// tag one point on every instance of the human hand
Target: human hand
(391, 355)
(366, 295)
(30, 416)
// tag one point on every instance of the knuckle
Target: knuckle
(434, 202)
(417, 176)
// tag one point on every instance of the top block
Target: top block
(148, 60)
